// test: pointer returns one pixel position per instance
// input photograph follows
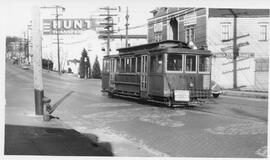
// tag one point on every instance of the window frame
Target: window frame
(263, 37)
(228, 25)
(199, 57)
(196, 63)
(138, 61)
(166, 63)
(189, 37)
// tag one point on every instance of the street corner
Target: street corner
(32, 140)
(247, 128)
(262, 152)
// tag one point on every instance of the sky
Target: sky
(16, 15)
(18, 12)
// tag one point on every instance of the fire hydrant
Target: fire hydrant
(46, 108)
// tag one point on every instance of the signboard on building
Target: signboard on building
(190, 19)
(158, 27)
(67, 26)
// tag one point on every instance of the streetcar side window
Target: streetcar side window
(191, 63)
(128, 65)
(106, 67)
(175, 62)
(153, 64)
(204, 63)
(118, 65)
(138, 64)
(122, 68)
(133, 64)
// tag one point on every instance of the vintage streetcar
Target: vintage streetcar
(169, 72)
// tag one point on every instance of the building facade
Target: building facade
(213, 29)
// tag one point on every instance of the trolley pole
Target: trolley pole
(127, 16)
(109, 24)
(37, 65)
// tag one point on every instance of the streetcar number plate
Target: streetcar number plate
(181, 95)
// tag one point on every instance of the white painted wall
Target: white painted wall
(259, 48)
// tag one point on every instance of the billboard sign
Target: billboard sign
(67, 26)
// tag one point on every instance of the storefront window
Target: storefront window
(190, 63)
(204, 63)
(174, 62)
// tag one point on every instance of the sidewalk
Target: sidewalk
(29, 140)
(248, 94)
(28, 134)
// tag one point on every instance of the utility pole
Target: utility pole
(108, 25)
(235, 49)
(37, 65)
(27, 45)
(57, 33)
(235, 45)
(127, 16)
(57, 36)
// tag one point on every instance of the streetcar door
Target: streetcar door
(144, 68)
(112, 72)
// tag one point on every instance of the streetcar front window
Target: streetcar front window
(153, 64)
(159, 64)
(204, 63)
(190, 63)
(175, 62)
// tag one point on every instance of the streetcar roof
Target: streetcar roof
(162, 44)
(168, 46)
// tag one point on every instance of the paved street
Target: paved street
(230, 127)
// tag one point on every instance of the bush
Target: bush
(85, 69)
(96, 69)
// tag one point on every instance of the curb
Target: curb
(258, 95)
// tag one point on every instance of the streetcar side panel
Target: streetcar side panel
(128, 84)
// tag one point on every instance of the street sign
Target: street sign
(231, 47)
(227, 40)
(226, 48)
(243, 44)
(67, 26)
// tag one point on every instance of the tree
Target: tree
(96, 69)
(85, 68)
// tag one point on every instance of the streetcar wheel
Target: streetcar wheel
(169, 102)
(110, 95)
(215, 95)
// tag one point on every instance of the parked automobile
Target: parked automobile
(216, 89)
(25, 67)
